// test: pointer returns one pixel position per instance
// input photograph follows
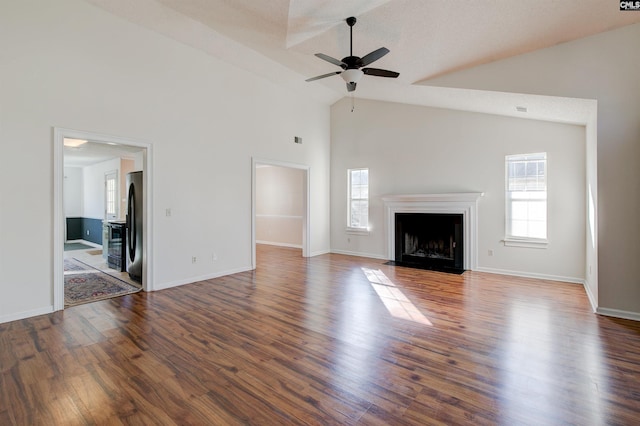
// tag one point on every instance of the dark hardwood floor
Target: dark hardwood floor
(327, 340)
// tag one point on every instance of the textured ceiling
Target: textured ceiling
(277, 39)
(96, 152)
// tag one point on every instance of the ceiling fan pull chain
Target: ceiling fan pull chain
(353, 102)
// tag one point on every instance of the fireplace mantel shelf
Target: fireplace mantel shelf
(465, 203)
(451, 197)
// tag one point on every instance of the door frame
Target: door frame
(59, 224)
(306, 220)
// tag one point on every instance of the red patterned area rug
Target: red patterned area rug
(89, 287)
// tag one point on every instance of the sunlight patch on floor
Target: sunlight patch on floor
(393, 298)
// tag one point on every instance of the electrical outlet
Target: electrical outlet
(168, 212)
(214, 256)
(490, 253)
(87, 232)
(194, 259)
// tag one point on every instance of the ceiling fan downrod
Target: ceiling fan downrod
(351, 21)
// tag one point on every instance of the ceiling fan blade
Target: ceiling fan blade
(334, 61)
(323, 76)
(374, 56)
(380, 73)
(351, 87)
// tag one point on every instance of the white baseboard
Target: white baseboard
(572, 280)
(319, 253)
(26, 314)
(592, 299)
(177, 283)
(273, 243)
(353, 253)
(617, 313)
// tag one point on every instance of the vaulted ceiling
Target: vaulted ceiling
(277, 39)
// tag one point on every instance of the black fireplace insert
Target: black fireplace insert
(430, 241)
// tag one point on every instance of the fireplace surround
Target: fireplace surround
(464, 204)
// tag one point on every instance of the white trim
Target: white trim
(591, 206)
(530, 196)
(349, 199)
(357, 231)
(273, 243)
(592, 299)
(117, 196)
(617, 313)
(306, 214)
(465, 203)
(319, 253)
(193, 280)
(450, 197)
(559, 278)
(536, 243)
(59, 220)
(59, 134)
(358, 254)
(26, 314)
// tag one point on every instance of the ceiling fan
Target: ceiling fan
(351, 65)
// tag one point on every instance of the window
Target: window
(526, 198)
(110, 195)
(358, 203)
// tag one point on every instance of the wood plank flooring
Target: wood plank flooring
(330, 340)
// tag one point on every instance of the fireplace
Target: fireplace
(456, 242)
(429, 241)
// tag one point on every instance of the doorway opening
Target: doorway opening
(280, 206)
(90, 207)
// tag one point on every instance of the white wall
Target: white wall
(605, 67)
(74, 66)
(279, 205)
(73, 192)
(421, 150)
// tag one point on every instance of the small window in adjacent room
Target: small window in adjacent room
(110, 195)
(358, 202)
(526, 200)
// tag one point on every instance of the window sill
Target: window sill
(526, 242)
(357, 231)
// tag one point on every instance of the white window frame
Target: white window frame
(529, 192)
(111, 195)
(350, 228)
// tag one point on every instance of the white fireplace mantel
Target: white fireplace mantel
(465, 203)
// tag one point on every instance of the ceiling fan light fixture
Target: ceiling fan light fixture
(351, 75)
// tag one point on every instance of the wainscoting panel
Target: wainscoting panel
(84, 228)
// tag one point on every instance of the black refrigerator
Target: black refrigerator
(134, 226)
